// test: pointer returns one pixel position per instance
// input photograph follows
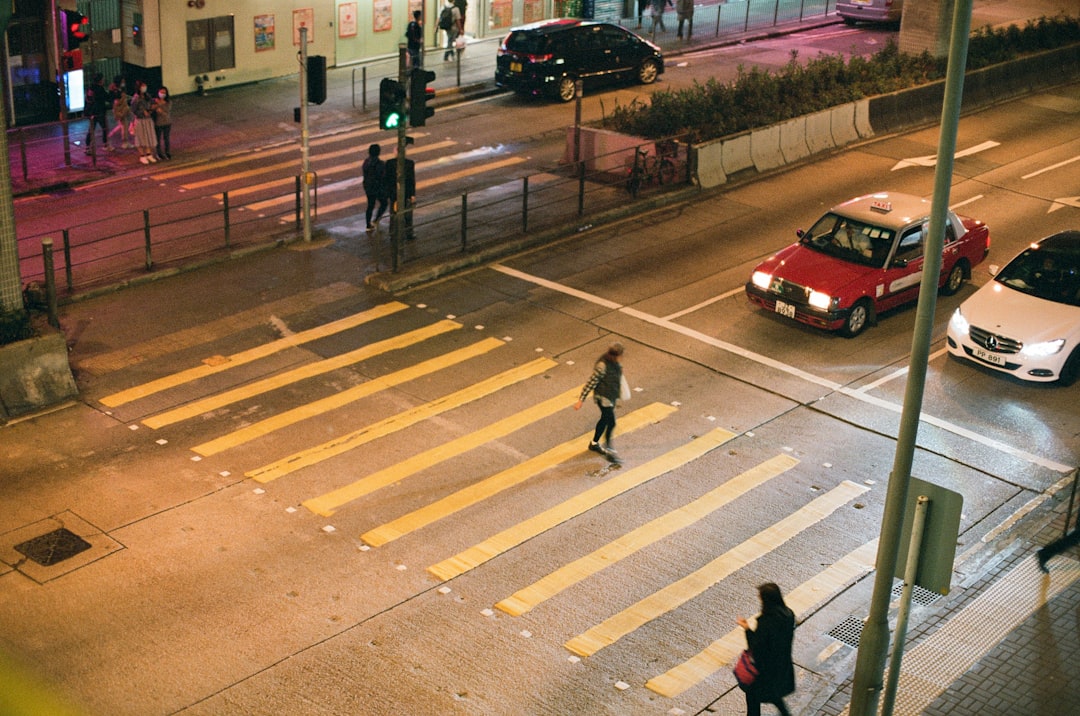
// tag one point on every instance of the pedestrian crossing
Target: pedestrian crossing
(573, 577)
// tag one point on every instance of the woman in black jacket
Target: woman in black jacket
(770, 645)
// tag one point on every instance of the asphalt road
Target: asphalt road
(305, 496)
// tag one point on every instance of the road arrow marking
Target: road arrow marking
(1062, 202)
(931, 160)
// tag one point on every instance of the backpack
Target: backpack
(374, 176)
(446, 18)
(413, 33)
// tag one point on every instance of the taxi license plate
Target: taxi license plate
(785, 309)
(515, 67)
(989, 357)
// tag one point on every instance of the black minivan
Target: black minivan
(548, 57)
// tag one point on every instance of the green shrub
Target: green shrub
(758, 98)
(15, 326)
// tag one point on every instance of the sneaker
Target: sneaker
(595, 447)
(370, 227)
(143, 158)
(151, 158)
(126, 145)
(608, 447)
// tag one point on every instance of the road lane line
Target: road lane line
(326, 504)
(623, 482)
(785, 368)
(252, 354)
(249, 390)
(387, 426)
(519, 473)
(722, 653)
(337, 400)
(1051, 167)
(898, 373)
(683, 590)
(931, 666)
(703, 304)
(570, 574)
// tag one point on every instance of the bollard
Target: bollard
(50, 280)
(464, 221)
(525, 205)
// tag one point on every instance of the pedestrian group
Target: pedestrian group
(143, 119)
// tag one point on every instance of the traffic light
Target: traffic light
(419, 94)
(391, 104)
(78, 28)
(316, 79)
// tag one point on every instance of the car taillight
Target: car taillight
(533, 59)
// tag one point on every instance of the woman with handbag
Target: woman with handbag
(770, 649)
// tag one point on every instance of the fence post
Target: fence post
(581, 189)
(464, 221)
(22, 154)
(746, 22)
(525, 204)
(296, 192)
(50, 280)
(67, 261)
(67, 143)
(225, 205)
(146, 233)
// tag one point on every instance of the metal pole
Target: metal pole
(67, 260)
(397, 213)
(874, 641)
(911, 572)
(50, 280)
(464, 221)
(525, 204)
(225, 211)
(305, 159)
(146, 236)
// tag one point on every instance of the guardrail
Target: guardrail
(161, 238)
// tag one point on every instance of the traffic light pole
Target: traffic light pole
(397, 225)
(305, 158)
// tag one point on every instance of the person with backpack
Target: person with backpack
(450, 23)
(375, 184)
(414, 40)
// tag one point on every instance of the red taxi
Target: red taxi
(862, 257)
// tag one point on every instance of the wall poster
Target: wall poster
(346, 19)
(304, 17)
(382, 15)
(264, 32)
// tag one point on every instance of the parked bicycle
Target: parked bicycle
(658, 168)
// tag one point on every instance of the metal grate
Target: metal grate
(848, 631)
(920, 596)
(53, 547)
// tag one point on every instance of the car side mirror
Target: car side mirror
(800, 233)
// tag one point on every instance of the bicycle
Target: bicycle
(649, 167)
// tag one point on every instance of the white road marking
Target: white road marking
(931, 159)
(1062, 202)
(703, 304)
(788, 369)
(1051, 167)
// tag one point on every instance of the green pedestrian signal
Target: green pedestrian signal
(391, 104)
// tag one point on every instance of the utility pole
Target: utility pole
(397, 235)
(874, 642)
(305, 159)
(11, 302)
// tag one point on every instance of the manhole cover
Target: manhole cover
(53, 547)
(848, 631)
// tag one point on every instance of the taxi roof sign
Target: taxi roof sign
(883, 206)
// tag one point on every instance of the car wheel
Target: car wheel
(955, 280)
(1071, 370)
(566, 89)
(648, 72)
(857, 319)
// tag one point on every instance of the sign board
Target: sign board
(939, 535)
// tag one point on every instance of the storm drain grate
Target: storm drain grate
(53, 547)
(848, 631)
(920, 596)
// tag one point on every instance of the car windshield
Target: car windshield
(850, 240)
(1044, 274)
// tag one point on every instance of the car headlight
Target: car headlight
(1043, 349)
(817, 299)
(762, 280)
(959, 324)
